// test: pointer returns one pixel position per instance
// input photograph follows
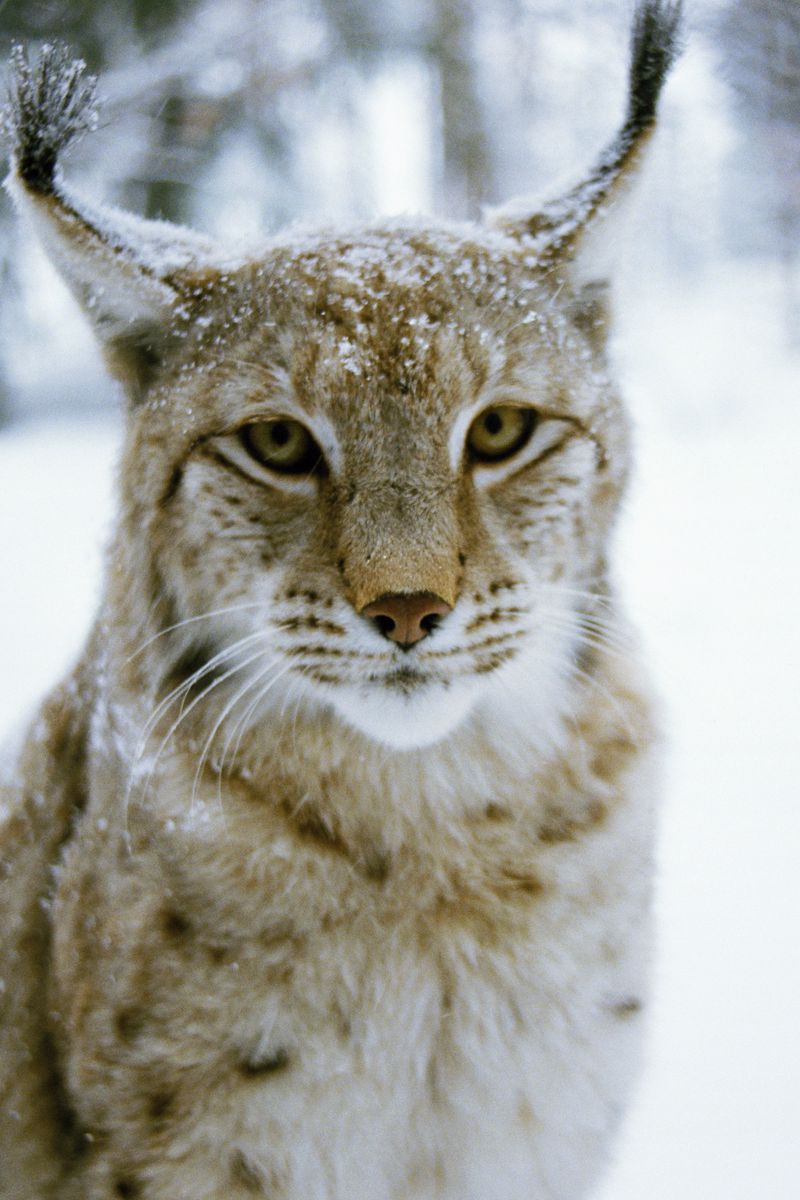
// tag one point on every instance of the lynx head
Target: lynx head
(369, 472)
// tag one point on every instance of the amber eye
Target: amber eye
(283, 445)
(500, 432)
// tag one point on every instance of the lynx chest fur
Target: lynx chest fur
(326, 876)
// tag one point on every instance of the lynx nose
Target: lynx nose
(406, 618)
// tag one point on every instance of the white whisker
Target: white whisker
(597, 640)
(240, 725)
(183, 689)
(299, 701)
(227, 710)
(184, 713)
(206, 616)
(591, 682)
(181, 717)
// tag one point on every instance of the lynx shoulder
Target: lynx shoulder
(326, 876)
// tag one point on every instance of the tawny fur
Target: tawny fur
(288, 910)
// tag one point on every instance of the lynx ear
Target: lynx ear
(119, 267)
(562, 233)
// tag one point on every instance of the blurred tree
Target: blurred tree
(443, 34)
(106, 35)
(97, 30)
(162, 58)
(274, 94)
(101, 33)
(761, 44)
(242, 115)
(466, 162)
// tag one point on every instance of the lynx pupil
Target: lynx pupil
(282, 445)
(500, 432)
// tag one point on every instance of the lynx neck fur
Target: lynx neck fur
(327, 873)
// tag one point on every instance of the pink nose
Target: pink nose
(406, 618)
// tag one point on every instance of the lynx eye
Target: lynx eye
(283, 445)
(500, 432)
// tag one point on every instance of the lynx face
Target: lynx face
(388, 466)
(374, 472)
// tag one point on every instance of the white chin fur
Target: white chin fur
(528, 695)
(404, 722)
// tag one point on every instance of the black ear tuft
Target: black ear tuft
(51, 104)
(560, 227)
(655, 44)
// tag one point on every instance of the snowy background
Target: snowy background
(708, 349)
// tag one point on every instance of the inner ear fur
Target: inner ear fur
(136, 357)
(589, 309)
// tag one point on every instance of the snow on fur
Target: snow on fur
(51, 104)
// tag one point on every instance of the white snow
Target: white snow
(55, 511)
(710, 561)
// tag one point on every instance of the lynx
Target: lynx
(326, 874)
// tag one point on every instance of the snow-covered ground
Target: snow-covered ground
(710, 559)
